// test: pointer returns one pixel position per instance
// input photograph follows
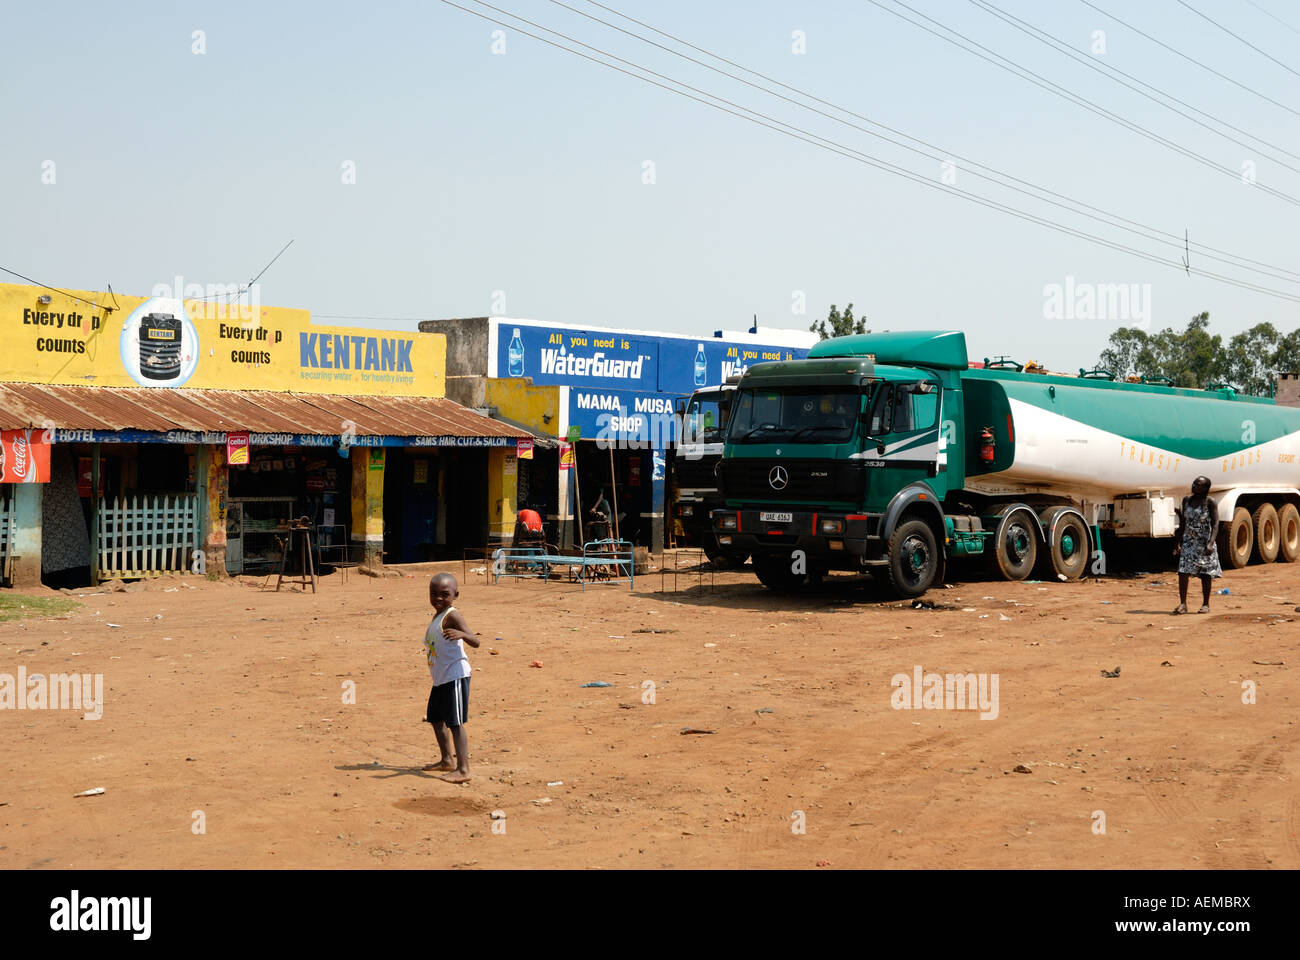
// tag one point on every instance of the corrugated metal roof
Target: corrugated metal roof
(258, 411)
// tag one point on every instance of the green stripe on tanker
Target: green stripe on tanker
(1197, 424)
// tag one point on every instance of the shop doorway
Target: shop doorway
(465, 487)
(410, 505)
(279, 484)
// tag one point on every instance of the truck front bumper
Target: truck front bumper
(836, 540)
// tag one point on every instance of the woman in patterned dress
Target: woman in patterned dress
(1194, 543)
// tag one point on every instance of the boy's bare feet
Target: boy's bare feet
(440, 765)
(456, 777)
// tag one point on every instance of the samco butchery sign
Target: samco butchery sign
(24, 457)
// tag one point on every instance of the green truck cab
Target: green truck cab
(831, 459)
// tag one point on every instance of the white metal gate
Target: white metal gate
(142, 536)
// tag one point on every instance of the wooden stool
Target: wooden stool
(301, 527)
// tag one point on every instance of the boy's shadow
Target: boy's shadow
(396, 770)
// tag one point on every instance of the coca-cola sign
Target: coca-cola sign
(24, 458)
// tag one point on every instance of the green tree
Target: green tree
(1192, 358)
(839, 324)
(1121, 356)
(1286, 358)
(1252, 357)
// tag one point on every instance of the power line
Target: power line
(240, 291)
(1025, 74)
(1190, 59)
(1171, 239)
(1101, 67)
(46, 286)
(866, 159)
(1273, 15)
(1235, 36)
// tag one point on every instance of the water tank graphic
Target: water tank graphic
(160, 346)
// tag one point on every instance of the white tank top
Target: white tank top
(447, 660)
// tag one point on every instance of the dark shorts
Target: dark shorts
(449, 703)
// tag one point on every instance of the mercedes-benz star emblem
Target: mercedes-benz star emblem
(777, 478)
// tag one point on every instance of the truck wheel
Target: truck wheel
(1067, 554)
(1016, 550)
(1236, 539)
(1288, 526)
(913, 559)
(1267, 538)
(774, 573)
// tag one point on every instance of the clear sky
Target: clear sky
(523, 172)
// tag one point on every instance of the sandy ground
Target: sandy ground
(227, 700)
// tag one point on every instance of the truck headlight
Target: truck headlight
(727, 521)
(830, 527)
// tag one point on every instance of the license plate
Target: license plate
(776, 517)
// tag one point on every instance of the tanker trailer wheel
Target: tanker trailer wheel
(1267, 537)
(1288, 525)
(1236, 540)
(775, 573)
(913, 559)
(1066, 557)
(1015, 549)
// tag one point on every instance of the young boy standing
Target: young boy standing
(449, 699)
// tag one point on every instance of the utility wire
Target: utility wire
(245, 287)
(1265, 53)
(1190, 59)
(1141, 229)
(807, 137)
(1273, 15)
(1101, 67)
(1039, 81)
(46, 286)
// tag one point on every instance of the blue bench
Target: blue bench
(604, 560)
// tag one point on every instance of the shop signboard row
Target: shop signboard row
(244, 439)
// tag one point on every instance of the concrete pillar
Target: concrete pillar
(368, 506)
(28, 499)
(503, 487)
(212, 478)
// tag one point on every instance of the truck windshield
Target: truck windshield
(805, 414)
(704, 421)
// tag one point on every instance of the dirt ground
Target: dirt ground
(224, 709)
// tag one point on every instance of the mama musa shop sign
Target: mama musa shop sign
(215, 437)
(163, 342)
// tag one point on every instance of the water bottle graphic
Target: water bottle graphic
(701, 367)
(516, 355)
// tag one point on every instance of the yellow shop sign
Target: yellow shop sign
(91, 338)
